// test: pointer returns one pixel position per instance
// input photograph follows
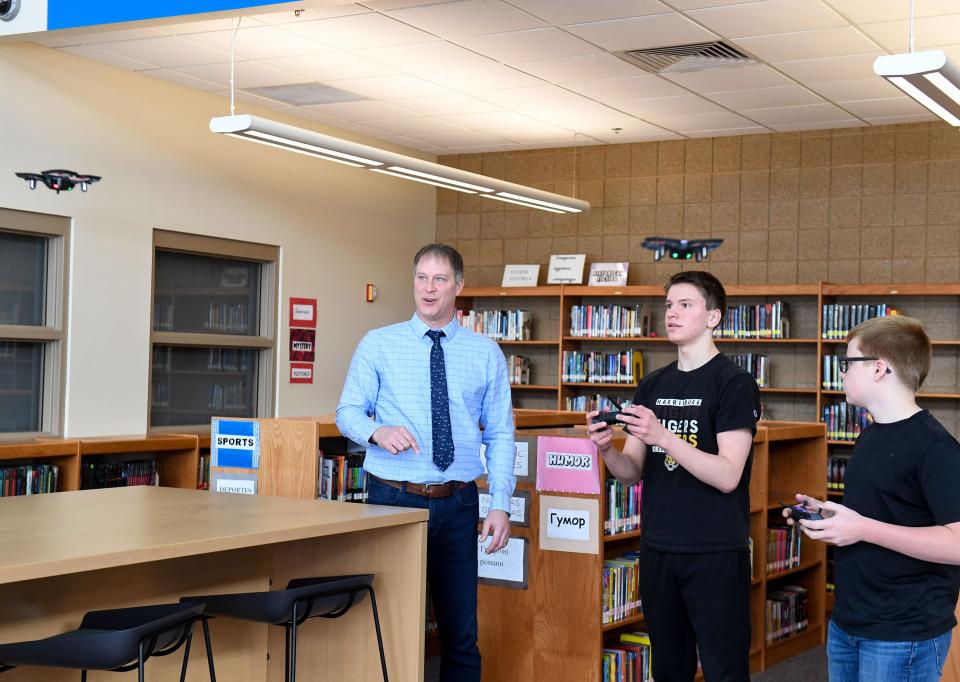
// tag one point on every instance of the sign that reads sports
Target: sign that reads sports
(235, 443)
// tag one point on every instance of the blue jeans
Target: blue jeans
(858, 659)
(451, 572)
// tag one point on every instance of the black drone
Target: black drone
(59, 180)
(680, 249)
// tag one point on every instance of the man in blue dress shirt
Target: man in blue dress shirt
(417, 394)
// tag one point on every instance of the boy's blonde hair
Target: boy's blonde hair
(901, 341)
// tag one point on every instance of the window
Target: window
(212, 342)
(32, 321)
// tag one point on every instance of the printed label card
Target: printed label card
(567, 465)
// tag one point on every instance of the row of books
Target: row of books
(228, 317)
(518, 369)
(118, 474)
(203, 473)
(589, 403)
(341, 477)
(832, 378)
(786, 612)
(783, 548)
(28, 479)
(759, 321)
(629, 660)
(845, 422)
(620, 598)
(609, 321)
(836, 470)
(499, 325)
(839, 318)
(755, 363)
(625, 367)
(232, 396)
(623, 507)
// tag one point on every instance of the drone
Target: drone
(59, 180)
(680, 249)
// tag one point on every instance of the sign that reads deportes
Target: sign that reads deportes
(235, 443)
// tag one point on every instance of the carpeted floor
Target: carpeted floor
(810, 666)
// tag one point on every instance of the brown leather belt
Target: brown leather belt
(429, 490)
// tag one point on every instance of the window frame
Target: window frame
(52, 334)
(265, 343)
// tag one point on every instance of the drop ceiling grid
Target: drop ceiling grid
(510, 74)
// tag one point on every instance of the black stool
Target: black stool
(117, 640)
(303, 598)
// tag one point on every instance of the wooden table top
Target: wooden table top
(86, 530)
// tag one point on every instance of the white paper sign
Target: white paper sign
(569, 461)
(568, 524)
(505, 564)
(566, 269)
(242, 484)
(520, 275)
(302, 312)
(518, 508)
(608, 274)
(521, 460)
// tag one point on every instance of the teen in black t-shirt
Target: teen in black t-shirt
(898, 530)
(689, 436)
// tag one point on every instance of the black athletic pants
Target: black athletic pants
(697, 600)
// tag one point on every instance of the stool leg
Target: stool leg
(83, 676)
(293, 645)
(376, 623)
(186, 655)
(286, 653)
(141, 661)
(206, 640)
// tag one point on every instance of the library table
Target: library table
(63, 554)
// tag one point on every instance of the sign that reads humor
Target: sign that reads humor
(567, 465)
(569, 524)
(608, 274)
(566, 269)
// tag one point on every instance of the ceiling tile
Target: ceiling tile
(540, 133)
(459, 139)
(54, 40)
(390, 87)
(703, 121)
(166, 52)
(561, 13)
(310, 14)
(113, 36)
(726, 132)
(874, 87)
(891, 120)
(618, 89)
(445, 105)
(262, 42)
(658, 30)
(767, 16)
(782, 96)
(820, 43)
(631, 129)
(330, 66)
(652, 135)
(524, 46)
(736, 78)
(666, 106)
(188, 27)
(585, 67)
(492, 121)
(467, 18)
(450, 65)
(860, 11)
(421, 125)
(929, 32)
(249, 98)
(181, 79)
(92, 52)
(809, 113)
(386, 5)
(360, 31)
(699, 4)
(247, 75)
(818, 125)
(831, 69)
(361, 111)
(892, 106)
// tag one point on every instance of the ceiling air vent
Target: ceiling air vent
(680, 58)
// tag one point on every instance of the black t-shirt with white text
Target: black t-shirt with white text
(905, 473)
(681, 513)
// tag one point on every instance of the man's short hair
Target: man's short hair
(901, 341)
(441, 252)
(709, 287)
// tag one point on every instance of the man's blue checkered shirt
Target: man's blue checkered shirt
(389, 380)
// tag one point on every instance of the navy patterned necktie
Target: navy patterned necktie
(440, 405)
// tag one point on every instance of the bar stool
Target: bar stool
(116, 640)
(303, 598)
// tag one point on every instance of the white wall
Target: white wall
(337, 227)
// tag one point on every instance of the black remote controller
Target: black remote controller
(798, 512)
(610, 418)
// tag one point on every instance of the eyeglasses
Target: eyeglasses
(843, 362)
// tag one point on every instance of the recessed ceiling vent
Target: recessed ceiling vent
(306, 94)
(681, 58)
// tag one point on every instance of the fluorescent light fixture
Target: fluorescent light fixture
(927, 77)
(300, 140)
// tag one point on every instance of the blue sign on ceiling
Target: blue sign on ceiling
(73, 14)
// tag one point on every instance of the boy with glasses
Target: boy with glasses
(897, 560)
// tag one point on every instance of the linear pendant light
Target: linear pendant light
(927, 77)
(329, 148)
